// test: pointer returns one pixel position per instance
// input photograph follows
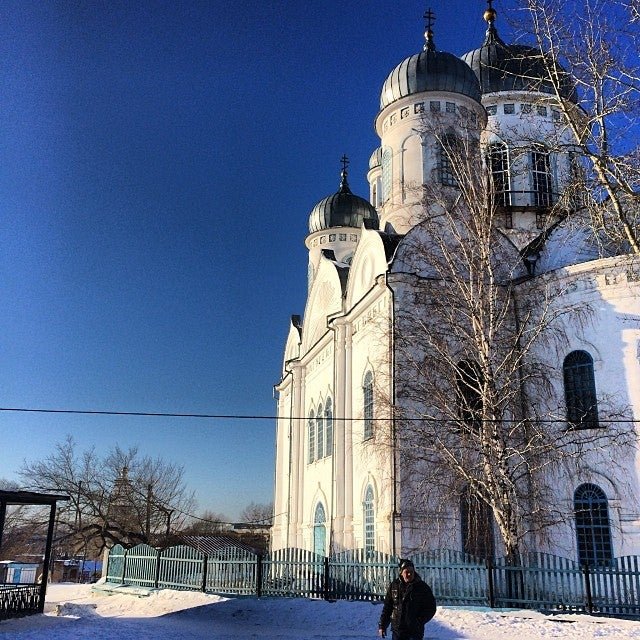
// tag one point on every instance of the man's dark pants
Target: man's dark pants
(403, 636)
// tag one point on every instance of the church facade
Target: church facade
(348, 475)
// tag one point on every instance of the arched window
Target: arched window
(498, 160)
(469, 392)
(320, 530)
(580, 390)
(320, 434)
(386, 175)
(369, 520)
(367, 393)
(312, 436)
(328, 427)
(476, 519)
(449, 148)
(593, 530)
(541, 183)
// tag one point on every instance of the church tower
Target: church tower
(335, 225)
(429, 97)
(526, 145)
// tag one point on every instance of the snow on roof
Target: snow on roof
(215, 544)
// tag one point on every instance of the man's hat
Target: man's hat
(406, 564)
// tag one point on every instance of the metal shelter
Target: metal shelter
(21, 599)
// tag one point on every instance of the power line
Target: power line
(156, 414)
(236, 416)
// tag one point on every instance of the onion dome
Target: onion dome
(342, 209)
(429, 70)
(501, 67)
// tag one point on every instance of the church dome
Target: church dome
(342, 209)
(429, 70)
(501, 67)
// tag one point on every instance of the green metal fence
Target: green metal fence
(536, 581)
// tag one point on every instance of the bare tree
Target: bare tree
(477, 418)
(593, 43)
(122, 497)
(208, 523)
(255, 513)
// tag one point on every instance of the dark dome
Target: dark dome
(501, 67)
(429, 70)
(342, 209)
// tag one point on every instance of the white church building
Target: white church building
(342, 480)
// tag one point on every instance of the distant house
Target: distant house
(76, 570)
(15, 572)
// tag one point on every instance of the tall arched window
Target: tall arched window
(580, 390)
(541, 182)
(320, 530)
(498, 160)
(369, 520)
(469, 391)
(449, 148)
(593, 529)
(312, 436)
(386, 175)
(320, 434)
(367, 393)
(328, 427)
(476, 519)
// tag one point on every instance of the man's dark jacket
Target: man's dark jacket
(408, 606)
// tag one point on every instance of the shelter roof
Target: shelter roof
(31, 497)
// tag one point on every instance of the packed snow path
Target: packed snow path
(73, 611)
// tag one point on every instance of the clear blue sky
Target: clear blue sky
(158, 163)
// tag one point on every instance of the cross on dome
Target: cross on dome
(430, 17)
(344, 185)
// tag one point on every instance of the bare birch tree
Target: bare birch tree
(477, 418)
(594, 44)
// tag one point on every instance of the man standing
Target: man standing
(408, 605)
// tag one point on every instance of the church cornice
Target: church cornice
(617, 274)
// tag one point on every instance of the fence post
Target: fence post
(259, 575)
(587, 587)
(490, 583)
(205, 564)
(157, 578)
(124, 564)
(325, 587)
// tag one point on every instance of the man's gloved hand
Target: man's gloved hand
(382, 633)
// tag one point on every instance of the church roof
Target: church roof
(342, 209)
(390, 242)
(502, 67)
(429, 70)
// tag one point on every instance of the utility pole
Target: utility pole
(148, 528)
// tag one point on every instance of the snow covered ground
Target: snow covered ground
(73, 611)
